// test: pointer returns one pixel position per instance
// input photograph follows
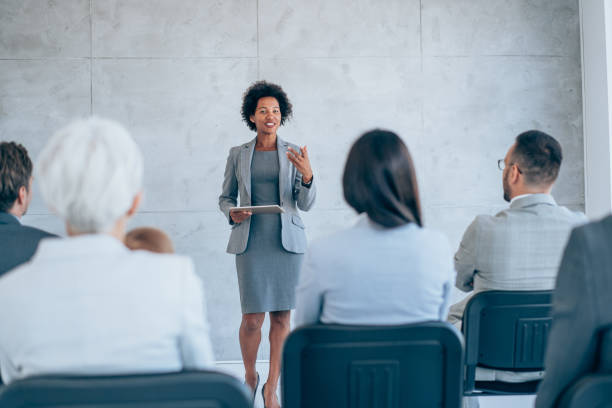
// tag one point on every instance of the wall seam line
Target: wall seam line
(258, 66)
(91, 60)
(422, 135)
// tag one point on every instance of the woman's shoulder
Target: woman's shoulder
(241, 146)
(433, 243)
(287, 143)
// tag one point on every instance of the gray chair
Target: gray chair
(505, 330)
(417, 365)
(196, 389)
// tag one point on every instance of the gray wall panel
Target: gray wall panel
(501, 27)
(39, 96)
(170, 28)
(320, 28)
(44, 29)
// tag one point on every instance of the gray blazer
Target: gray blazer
(520, 248)
(581, 306)
(17, 242)
(293, 195)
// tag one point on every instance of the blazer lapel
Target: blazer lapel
(283, 163)
(246, 157)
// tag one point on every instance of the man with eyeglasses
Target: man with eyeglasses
(519, 248)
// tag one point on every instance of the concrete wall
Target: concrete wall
(457, 79)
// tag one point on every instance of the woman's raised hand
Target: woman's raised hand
(301, 163)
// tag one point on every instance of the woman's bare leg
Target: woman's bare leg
(250, 337)
(279, 329)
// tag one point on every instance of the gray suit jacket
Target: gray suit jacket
(17, 242)
(520, 248)
(293, 195)
(581, 306)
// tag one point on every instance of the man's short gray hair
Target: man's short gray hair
(89, 173)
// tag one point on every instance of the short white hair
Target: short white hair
(89, 173)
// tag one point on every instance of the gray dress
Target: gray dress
(267, 273)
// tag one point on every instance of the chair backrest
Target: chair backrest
(196, 389)
(417, 365)
(506, 330)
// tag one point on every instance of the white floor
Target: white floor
(236, 369)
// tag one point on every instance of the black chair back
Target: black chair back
(506, 330)
(418, 365)
(197, 389)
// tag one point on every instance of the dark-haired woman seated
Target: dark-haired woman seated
(386, 269)
(268, 247)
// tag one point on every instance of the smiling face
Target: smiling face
(267, 116)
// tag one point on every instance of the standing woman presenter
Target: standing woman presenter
(269, 248)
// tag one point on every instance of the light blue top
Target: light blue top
(372, 275)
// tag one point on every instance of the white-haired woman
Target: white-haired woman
(86, 304)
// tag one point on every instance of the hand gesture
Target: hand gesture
(301, 163)
(239, 216)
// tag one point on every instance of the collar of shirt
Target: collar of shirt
(80, 245)
(519, 197)
(7, 217)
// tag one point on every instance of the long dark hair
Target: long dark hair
(379, 179)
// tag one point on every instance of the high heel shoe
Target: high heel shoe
(256, 386)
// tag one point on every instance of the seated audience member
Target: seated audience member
(386, 269)
(149, 239)
(86, 304)
(17, 242)
(581, 307)
(520, 248)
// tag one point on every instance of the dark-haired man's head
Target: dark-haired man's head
(15, 179)
(379, 180)
(531, 165)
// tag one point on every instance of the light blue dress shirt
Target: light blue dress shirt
(371, 275)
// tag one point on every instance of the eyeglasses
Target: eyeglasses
(501, 164)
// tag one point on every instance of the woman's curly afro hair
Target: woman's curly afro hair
(261, 89)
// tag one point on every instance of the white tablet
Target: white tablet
(260, 209)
